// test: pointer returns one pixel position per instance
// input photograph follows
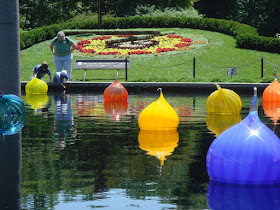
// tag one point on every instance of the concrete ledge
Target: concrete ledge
(150, 87)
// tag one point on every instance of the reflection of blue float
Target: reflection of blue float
(246, 153)
(12, 114)
(242, 197)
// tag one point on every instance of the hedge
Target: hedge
(246, 36)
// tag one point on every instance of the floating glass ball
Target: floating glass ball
(223, 101)
(159, 115)
(222, 196)
(36, 86)
(246, 153)
(272, 92)
(115, 92)
(116, 109)
(11, 105)
(158, 143)
(217, 123)
(12, 114)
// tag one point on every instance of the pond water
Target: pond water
(77, 153)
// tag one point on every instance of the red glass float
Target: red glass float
(115, 92)
(116, 109)
(272, 92)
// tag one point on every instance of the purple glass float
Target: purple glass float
(246, 153)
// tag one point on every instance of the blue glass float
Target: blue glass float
(246, 153)
(12, 114)
(222, 196)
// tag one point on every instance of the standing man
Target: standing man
(42, 70)
(62, 48)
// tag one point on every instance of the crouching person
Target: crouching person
(61, 77)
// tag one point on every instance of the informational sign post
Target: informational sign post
(102, 64)
(231, 71)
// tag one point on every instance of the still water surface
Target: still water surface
(79, 153)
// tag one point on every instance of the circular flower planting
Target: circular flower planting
(126, 45)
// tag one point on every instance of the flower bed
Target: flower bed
(132, 45)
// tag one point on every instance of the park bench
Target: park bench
(90, 64)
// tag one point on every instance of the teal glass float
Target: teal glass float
(222, 196)
(12, 114)
(246, 153)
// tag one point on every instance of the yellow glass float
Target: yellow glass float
(36, 86)
(223, 101)
(159, 115)
(158, 143)
(217, 123)
(37, 101)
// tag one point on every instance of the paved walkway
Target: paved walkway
(150, 87)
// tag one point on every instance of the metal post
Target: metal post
(9, 47)
(262, 67)
(193, 67)
(126, 69)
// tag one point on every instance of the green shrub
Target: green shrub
(247, 36)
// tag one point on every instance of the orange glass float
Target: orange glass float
(115, 92)
(272, 92)
(116, 109)
(272, 110)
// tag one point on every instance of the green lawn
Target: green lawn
(212, 62)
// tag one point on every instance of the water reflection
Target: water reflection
(272, 110)
(116, 109)
(242, 197)
(37, 101)
(158, 143)
(217, 123)
(63, 119)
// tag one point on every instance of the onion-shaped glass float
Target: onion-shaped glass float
(272, 92)
(36, 86)
(246, 153)
(12, 114)
(222, 196)
(159, 115)
(218, 123)
(158, 143)
(223, 101)
(115, 92)
(116, 109)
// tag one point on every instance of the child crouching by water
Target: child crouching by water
(60, 77)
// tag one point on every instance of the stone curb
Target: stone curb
(150, 87)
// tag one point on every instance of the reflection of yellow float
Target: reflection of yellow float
(272, 110)
(159, 115)
(223, 101)
(37, 101)
(158, 143)
(36, 86)
(116, 109)
(217, 123)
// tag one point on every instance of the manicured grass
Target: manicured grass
(212, 62)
